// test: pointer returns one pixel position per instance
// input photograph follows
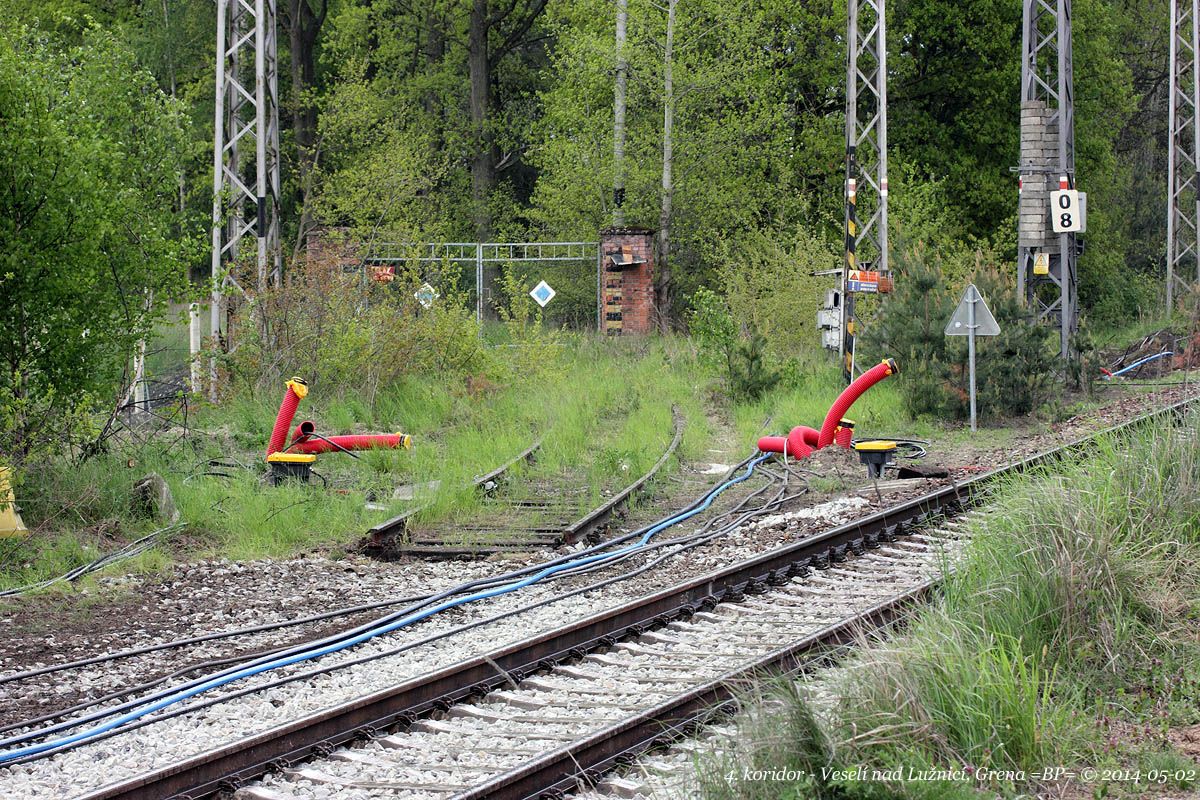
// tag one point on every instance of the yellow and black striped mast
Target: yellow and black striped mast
(847, 351)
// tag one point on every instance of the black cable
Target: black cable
(127, 551)
(918, 447)
(469, 586)
(423, 600)
(691, 542)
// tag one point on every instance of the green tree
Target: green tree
(443, 90)
(89, 255)
(745, 136)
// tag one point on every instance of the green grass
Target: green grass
(603, 409)
(1076, 604)
(1141, 327)
(805, 400)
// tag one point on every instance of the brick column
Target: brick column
(330, 250)
(627, 280)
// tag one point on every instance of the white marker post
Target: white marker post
(972, 318)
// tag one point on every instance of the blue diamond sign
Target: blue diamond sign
(426, 295)
(542, 294)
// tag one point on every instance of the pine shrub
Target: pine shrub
(740, 356)
(1014, 371)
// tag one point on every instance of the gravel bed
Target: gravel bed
(164, 742)
(201, 598)
(509, 726)
(221, 595)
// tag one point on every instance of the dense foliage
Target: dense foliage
(443, 119)
(1015, 370)
(90, 251)
(454, 120)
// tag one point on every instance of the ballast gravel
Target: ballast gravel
(514, 725)
(229, 595)
(161, 743)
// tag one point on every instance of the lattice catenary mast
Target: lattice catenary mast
(1046, 274)
(245, 180)
(1183, 210)
(866, 155)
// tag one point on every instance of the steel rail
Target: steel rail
(589, 522)
(487, 481)
(399, 523)
(706, 533)
(588, 759)
(570, 533)
(227, 767)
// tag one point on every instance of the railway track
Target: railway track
(540, 517)
(663, 619)
(147, 668)
(408, 653)
(538, 735)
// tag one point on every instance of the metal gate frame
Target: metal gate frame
(480, 253)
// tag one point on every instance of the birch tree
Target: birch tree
(662, 277)
(621, 82)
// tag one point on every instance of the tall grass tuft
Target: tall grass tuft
(1079, 590)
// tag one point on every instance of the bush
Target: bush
(768, 281)
(910, 327)
(352, 335)
(738, 357)
(1015, 370)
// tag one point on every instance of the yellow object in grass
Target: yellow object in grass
(10, 520)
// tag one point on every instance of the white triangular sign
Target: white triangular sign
(960, 323)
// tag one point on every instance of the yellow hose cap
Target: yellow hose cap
(891, 365)
(299, 386)
(280, 457)
(405, 440)
(11, 523)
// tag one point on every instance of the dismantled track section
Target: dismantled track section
(548, 521)
(657, 619)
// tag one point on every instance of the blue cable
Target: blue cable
(1145, 360)
(83, 736)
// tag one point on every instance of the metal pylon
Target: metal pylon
(866, 154)
(1183, 211)
(1047, 163)
(245, 147)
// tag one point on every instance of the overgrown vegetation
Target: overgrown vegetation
(1065, 637)
(90, 253)
(603, 410)
(737, 354)
(1017, 369)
